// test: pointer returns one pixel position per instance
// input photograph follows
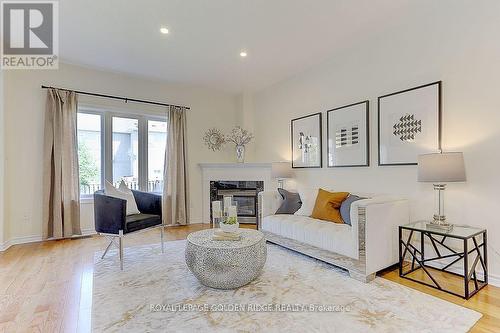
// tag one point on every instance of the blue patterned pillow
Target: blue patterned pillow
(345, 208)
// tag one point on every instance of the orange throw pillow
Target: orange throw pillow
(327, 206)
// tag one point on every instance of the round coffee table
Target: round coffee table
(226, 264)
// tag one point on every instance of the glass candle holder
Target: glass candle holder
(216, 213)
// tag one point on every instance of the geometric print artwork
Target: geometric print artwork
(409, 124)
(407, 128)
(348, 139)
(347, 136)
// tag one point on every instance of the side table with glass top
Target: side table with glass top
(427, 255)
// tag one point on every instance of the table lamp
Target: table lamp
(439, 169)
(281, 171)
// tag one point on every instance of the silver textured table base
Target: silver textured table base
(226, 264)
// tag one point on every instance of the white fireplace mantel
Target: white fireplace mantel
(235, 165)
(231, 172)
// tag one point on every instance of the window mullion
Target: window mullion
(108, 148)
(103, 149)
(143, 154)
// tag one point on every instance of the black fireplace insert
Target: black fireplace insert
(243, 192)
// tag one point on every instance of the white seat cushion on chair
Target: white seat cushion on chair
(126, 194)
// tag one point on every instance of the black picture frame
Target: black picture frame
(439, 119)
(320, 127)
(367, 112)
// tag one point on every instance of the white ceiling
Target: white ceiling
(282, 37)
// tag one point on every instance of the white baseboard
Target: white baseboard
(196, 220)
(19, 240)
(37, 238)
(494, 280)
(89, 231)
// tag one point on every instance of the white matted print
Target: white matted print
(409, 124)
(306, 141)
(348, 138)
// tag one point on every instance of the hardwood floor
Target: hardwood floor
(47, 286)
(487, 301)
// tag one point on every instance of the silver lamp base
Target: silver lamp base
(439, 219)
(439, 225)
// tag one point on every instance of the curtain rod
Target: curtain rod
(126, 99)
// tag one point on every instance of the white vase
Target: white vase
(240, 153)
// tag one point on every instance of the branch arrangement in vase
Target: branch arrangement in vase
(238, 136)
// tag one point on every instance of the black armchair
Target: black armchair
(111, 219)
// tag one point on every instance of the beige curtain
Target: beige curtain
(175, 209)
(61, 194)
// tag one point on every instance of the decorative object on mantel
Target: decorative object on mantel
(409, 124)
(281, 171)
(439, 169)
(214, 139)
(306, 141)
(240, 138)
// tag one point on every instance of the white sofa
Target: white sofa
(365, 247)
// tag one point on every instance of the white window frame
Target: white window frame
(107, 115)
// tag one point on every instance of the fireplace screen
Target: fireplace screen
(247, 206)
(243, 192)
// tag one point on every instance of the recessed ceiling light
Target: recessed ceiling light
(164, 30)
(243, 54)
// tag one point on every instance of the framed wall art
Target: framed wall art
(306, 141)
(348, 143)
(409, 124)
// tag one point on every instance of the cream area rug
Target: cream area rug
(157, 293)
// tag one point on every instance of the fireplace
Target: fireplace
(243, 192)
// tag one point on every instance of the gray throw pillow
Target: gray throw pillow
(345, 208)
(291, 202)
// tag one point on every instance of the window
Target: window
(126, 152)
(89, 152)
(157, 139)
(118, 146)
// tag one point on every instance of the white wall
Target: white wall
(245, 119)
(457, 44)
(2, 161)
(25, 103)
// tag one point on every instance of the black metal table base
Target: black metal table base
(420, 262)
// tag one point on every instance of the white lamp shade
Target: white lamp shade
(281, 170)
(441, 168)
